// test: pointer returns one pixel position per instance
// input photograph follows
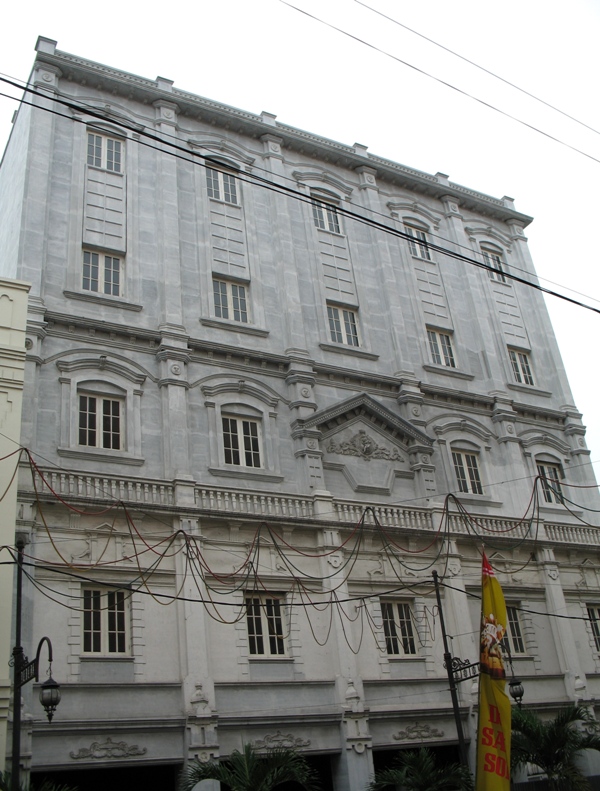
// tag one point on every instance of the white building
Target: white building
(238, 328)
(13, 314)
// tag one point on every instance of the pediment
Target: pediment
(364, 413)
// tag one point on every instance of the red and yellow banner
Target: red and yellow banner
(493, 730)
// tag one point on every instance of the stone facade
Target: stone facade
(273, 355)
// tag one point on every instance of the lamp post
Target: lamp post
(25, 671)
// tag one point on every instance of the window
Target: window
(264, 618)
(241, 442)
(325, 216)
(550, 475)
(100, 422)
(493, 260)
(440, 346)
(594, 616)
(102, 273)
(230, 301)
(467, 472)
(521, 367)
(342, 325)
(221, 185)
(104, 622)
(398, 629)
(513, 642)
(417, 242)
(105, 152)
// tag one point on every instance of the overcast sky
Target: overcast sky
(263, 55)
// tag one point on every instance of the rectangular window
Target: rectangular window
(513, 642)
(440, 346)
(494, 261)
(417, 242)
(342, 325)
(550, 475)
(101, 273)
(594, 616)
(221, 185)
(264, 619)
(467, 472)
(104, 622)
(105, 152)
(230, 301)
(241, 442)
(100, 422)
(325, 216)
(521, 367)
(398, 629)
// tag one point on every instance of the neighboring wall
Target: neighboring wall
(13, 312)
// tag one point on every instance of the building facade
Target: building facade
(13, 317)
(258, 362)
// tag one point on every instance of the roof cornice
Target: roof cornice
(149, 91)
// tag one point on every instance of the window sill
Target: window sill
(353, 351)
(530, 389)
(99, 299)
(105, 658)
(331, 233)
(245, 472)
(447, 370)
(225, 202)
(234, 326)
(477, 499)
(106, 170)
(97, 454)
(268, 659)
(399, 658)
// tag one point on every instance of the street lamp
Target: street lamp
(516, 691)
(25, 671)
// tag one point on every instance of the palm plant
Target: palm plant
(418, 770)
(251, 770)
(554, 746)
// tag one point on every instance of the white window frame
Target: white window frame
(343, 325)
(230, 300)
(100, 421)
(466, 471)
(325, 216)
(593, 611)
(102, 273)
(513, 636)
(105, 152)
(242, 441)
(550, 477)
(418, 242)
(398, 628)
(441, 348)
(105, 622)
(266, 625)
(521, 367)
(497, 267)
(221, 185)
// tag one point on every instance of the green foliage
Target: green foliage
(554, 745)
(418, 770)
(46, 785)
(253, 771)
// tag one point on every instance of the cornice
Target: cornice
(149, 91)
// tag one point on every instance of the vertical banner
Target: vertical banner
(493, 728)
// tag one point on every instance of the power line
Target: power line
(442, 82)
(478, 66)
(193, 157)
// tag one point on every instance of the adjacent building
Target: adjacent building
(258, 362)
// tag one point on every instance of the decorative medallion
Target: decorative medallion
(363, 445)
(279, 739)
(176, 369)
(416, 731)
(305, 392)
(108, 749)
